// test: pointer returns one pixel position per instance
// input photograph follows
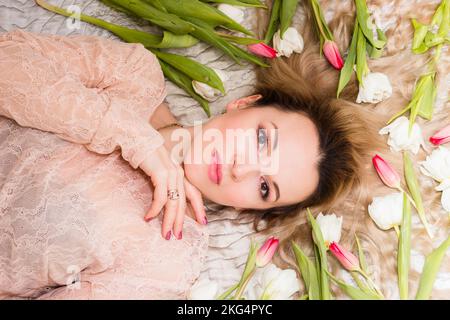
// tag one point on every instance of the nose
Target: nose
(241, 171)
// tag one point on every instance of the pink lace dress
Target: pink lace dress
(74, 128)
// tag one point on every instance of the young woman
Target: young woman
(108, 153)
(72, 217)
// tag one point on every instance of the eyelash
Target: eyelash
(263, 181)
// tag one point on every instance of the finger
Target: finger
(181, 211)
(170, 209)
(194, 196)
(159, 196)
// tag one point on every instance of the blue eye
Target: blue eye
(262, 138)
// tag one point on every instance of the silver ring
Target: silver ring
(173, 194)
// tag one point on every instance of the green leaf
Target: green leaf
(414, 189)
(395, 116)
(169, 40)
(192, 68)
(373, 52)
(185, 83)
(227, 293)
(430, 270)
(160, 18)
(347, 71)
(273, 22)
(444, 27)
(238, 40)
(207, 34)
(420, 31)
(242, 3)
(308, 272)
(287, 12)
(361, 60)
(425, 94)
(404, 249)
(365, 23)
(320, 243)
(321, 24)
(361, 256)
(352, 292)
(157, 4)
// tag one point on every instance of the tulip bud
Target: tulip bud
(263, 50)
(348, 260)
(387, 174)
(331, 52)
(266, 252)
(441, 137)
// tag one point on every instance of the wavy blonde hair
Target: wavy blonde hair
(309, 80)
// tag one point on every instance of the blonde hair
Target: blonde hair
(311, 82)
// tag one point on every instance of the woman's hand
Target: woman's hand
(167, 175)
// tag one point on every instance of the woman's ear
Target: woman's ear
(242, 103)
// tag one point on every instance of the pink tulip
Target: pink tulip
(348, 260)
(441, 137)
(266, 252)
(387, 174)
(263, 50)
(331, 52)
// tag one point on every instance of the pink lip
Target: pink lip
(215, 168)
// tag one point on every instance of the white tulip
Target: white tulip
(387, 211)
(330, 226)
(234, 12)
(437, 165)
(207, 92)
(291, 42)
(375, 87)
(399, 139)
(204, 289)
(272, 283)
(445, 198)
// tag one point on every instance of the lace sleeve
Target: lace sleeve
(89, 90)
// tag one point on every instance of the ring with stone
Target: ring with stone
(173, 194)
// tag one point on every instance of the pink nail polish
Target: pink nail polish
(168, 235)
(205, 221)
(180, 235)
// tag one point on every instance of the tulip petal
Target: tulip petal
(386, 173)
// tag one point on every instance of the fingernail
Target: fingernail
(205, 221)
(168, 235)
(148, 219)
(180, 235)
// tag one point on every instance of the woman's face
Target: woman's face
(254, 157)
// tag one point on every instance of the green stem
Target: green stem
(61, 11)
(228, 292)
(397, 231)
(408, 196)
(244, 284)
(371, 283)
(319, 21)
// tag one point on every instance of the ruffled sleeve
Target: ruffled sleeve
(86, 89)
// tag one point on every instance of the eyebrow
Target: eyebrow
(277, 190)
(275, 139)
